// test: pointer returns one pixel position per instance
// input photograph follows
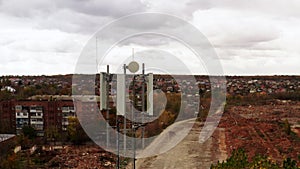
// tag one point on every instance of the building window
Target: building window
(18, 107)
(65, 108)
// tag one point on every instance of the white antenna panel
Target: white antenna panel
(150, 94)
(121, 94)
(103, 91)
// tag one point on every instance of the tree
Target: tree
(76, 133)
(53, 134)
(23, 141)
(29, 132)
(5, 95)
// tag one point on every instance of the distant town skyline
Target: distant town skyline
(258, 37)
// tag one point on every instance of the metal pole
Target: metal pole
(118, 145)
(132, 53)
(133, 118)
(107, 105)
(143, 103)
(97, 54)
(134, 130)
(124, 68)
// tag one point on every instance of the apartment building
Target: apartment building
(30, 113)
(39, 114)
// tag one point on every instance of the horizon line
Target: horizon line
(246, 75)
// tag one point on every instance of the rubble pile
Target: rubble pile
(83, 157)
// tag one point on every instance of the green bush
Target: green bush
(239, 160)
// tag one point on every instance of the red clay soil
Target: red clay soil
(260, 130)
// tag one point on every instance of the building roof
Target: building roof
(4, 137)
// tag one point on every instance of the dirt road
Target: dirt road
(189, 153)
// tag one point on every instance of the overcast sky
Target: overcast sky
(254, 37)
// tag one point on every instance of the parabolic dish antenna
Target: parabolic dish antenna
(133, 66)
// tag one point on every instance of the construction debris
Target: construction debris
(83, 157)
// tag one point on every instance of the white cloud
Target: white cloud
(250, 37)
(25, 50)
(251, 42)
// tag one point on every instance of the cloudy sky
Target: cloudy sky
(250, 37)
